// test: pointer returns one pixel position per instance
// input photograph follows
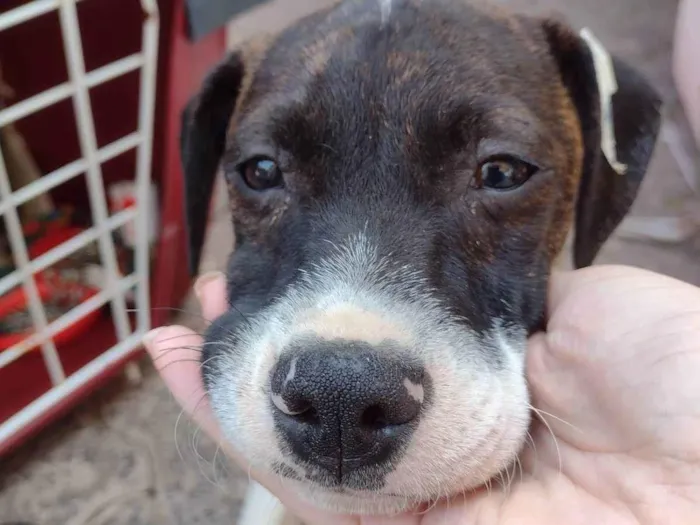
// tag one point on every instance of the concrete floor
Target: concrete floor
(127, 458)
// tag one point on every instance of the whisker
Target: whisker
(167, 308)
(548, 414)
(198, 405)
(217, 481)
(554, 438)
(178, 336)
(174, 309)
(509, 479)
(245, 318)
(520, 467)
(178, 361)
(433, 503)
(500, 480)
(464, 494)
(170, 351)
(192, 348)
(446, 497)
(193, 314)
(177, 444)
(177, 424)
(201, 460)
(250, 474)
(530, 441)
(328, 147)
(209, 359)
(185, 312)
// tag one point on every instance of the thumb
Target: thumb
(563, 398)
(175, 352)
(210, 289)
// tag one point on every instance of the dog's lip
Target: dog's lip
(362, 493)
(346, 491)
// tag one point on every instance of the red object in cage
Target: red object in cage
(49, 289)
(51, 239)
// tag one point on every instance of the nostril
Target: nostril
(374, 418)
(308, 416)
(300, 410)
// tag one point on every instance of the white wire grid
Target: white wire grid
(77, 88)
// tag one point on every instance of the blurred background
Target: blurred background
(92, 238)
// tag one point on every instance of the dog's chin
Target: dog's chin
(379, 503)
(346, 501)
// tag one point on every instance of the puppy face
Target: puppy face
(402, 175)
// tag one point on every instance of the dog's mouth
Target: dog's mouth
(324, 484)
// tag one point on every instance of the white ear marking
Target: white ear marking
(607, 87)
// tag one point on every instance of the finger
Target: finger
(546, 373)
(210, 289)
(176, 352)
(565, 284)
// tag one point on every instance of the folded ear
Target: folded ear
(619, 112)
(205, 121)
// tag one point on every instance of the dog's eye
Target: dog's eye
(262, 174)
(503, 173)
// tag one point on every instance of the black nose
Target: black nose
(343, 405)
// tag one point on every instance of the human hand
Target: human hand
(616, 381)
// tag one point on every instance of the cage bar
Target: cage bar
(26, 12)
(65, 249)
(72, 383)
(143, 162)
(21, 259)
(63, 91)
(71, 317)
(88, 144)
(67, 172)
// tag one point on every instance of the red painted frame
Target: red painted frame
(185, 65)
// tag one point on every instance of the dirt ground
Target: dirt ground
(126, 457)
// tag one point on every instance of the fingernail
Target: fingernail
(150, 337)
(203, 280)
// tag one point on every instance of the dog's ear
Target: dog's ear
(205, 121)
(619, 112)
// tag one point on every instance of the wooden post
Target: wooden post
(22, 169)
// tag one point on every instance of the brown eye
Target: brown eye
(262, 174)
(503, 174)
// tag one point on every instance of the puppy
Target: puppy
(402, 176)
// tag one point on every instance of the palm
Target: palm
(617, 433)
